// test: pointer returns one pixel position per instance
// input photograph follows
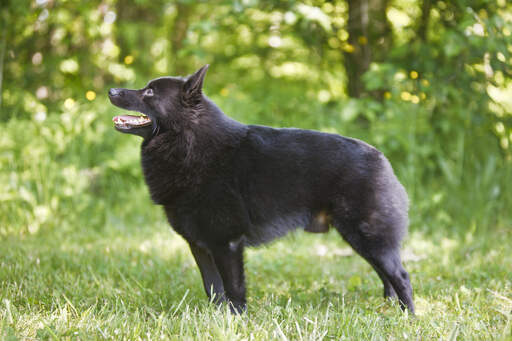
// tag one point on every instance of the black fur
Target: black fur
(225, 185)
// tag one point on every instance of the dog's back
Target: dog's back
(288, 177)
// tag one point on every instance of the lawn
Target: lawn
(139, 281)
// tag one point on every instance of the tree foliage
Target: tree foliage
(427, 81)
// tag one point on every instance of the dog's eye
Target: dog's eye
(148, 92)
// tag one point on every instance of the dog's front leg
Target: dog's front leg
(229, 258)
(211, 278)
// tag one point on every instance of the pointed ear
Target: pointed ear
(194, 84)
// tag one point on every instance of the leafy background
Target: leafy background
(427, 82)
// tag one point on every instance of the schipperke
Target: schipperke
(225, 185)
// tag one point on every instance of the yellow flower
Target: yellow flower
(128, 59)
(90, 95)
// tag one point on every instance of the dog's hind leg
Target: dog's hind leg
(212, 280)
(389, 292)
(389, 264)
(384, 257)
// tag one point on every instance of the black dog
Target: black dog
(225, 185)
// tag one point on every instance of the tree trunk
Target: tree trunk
(426, 5)
(3, 44)
(369, 38)
(2, 60)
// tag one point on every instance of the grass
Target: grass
(142, 283)
(84, 254)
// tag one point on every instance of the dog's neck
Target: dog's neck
(180, 154)
(205, 127)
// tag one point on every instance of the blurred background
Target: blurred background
(427, 82)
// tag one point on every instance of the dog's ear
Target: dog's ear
(192, 89)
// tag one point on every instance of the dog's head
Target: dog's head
(162, 102)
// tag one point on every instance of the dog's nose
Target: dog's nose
(115, 92)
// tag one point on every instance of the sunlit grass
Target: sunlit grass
(143, 283)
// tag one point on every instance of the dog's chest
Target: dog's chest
(165, 176)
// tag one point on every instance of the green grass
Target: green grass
(141, 282)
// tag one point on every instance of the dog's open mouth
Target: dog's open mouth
(131, 121)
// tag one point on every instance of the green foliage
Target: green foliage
(437, 102)
(50, 181)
